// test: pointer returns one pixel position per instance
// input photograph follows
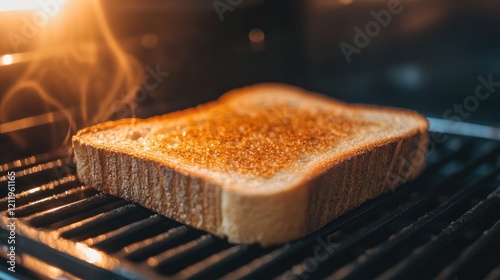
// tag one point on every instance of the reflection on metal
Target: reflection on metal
(44, 268)
(34, 121)
(88, 254)
(463, 128)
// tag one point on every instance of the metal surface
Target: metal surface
(465, 129)
(443, 224)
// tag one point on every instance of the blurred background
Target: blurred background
(66, 64)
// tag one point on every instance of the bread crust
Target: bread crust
(334, 186)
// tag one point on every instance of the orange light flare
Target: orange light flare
(7, 59)
(257, 39)
(74, 69)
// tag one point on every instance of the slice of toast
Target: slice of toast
(264, 164)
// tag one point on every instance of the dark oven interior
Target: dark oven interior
(67, 65)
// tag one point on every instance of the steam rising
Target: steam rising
(78, 70)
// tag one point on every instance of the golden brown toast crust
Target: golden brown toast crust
(331, 187)
(259, 143)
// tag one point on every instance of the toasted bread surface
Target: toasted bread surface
(264, 164)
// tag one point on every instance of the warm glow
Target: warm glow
(149, 41)
(346, 2)
(13, 5)
(34, 190)
(74, 69)
(89, 254)
(7, 59)
(256, 35)
(42, 268)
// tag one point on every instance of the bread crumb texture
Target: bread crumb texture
(259, 142)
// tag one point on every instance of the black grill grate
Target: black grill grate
(444, 225)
